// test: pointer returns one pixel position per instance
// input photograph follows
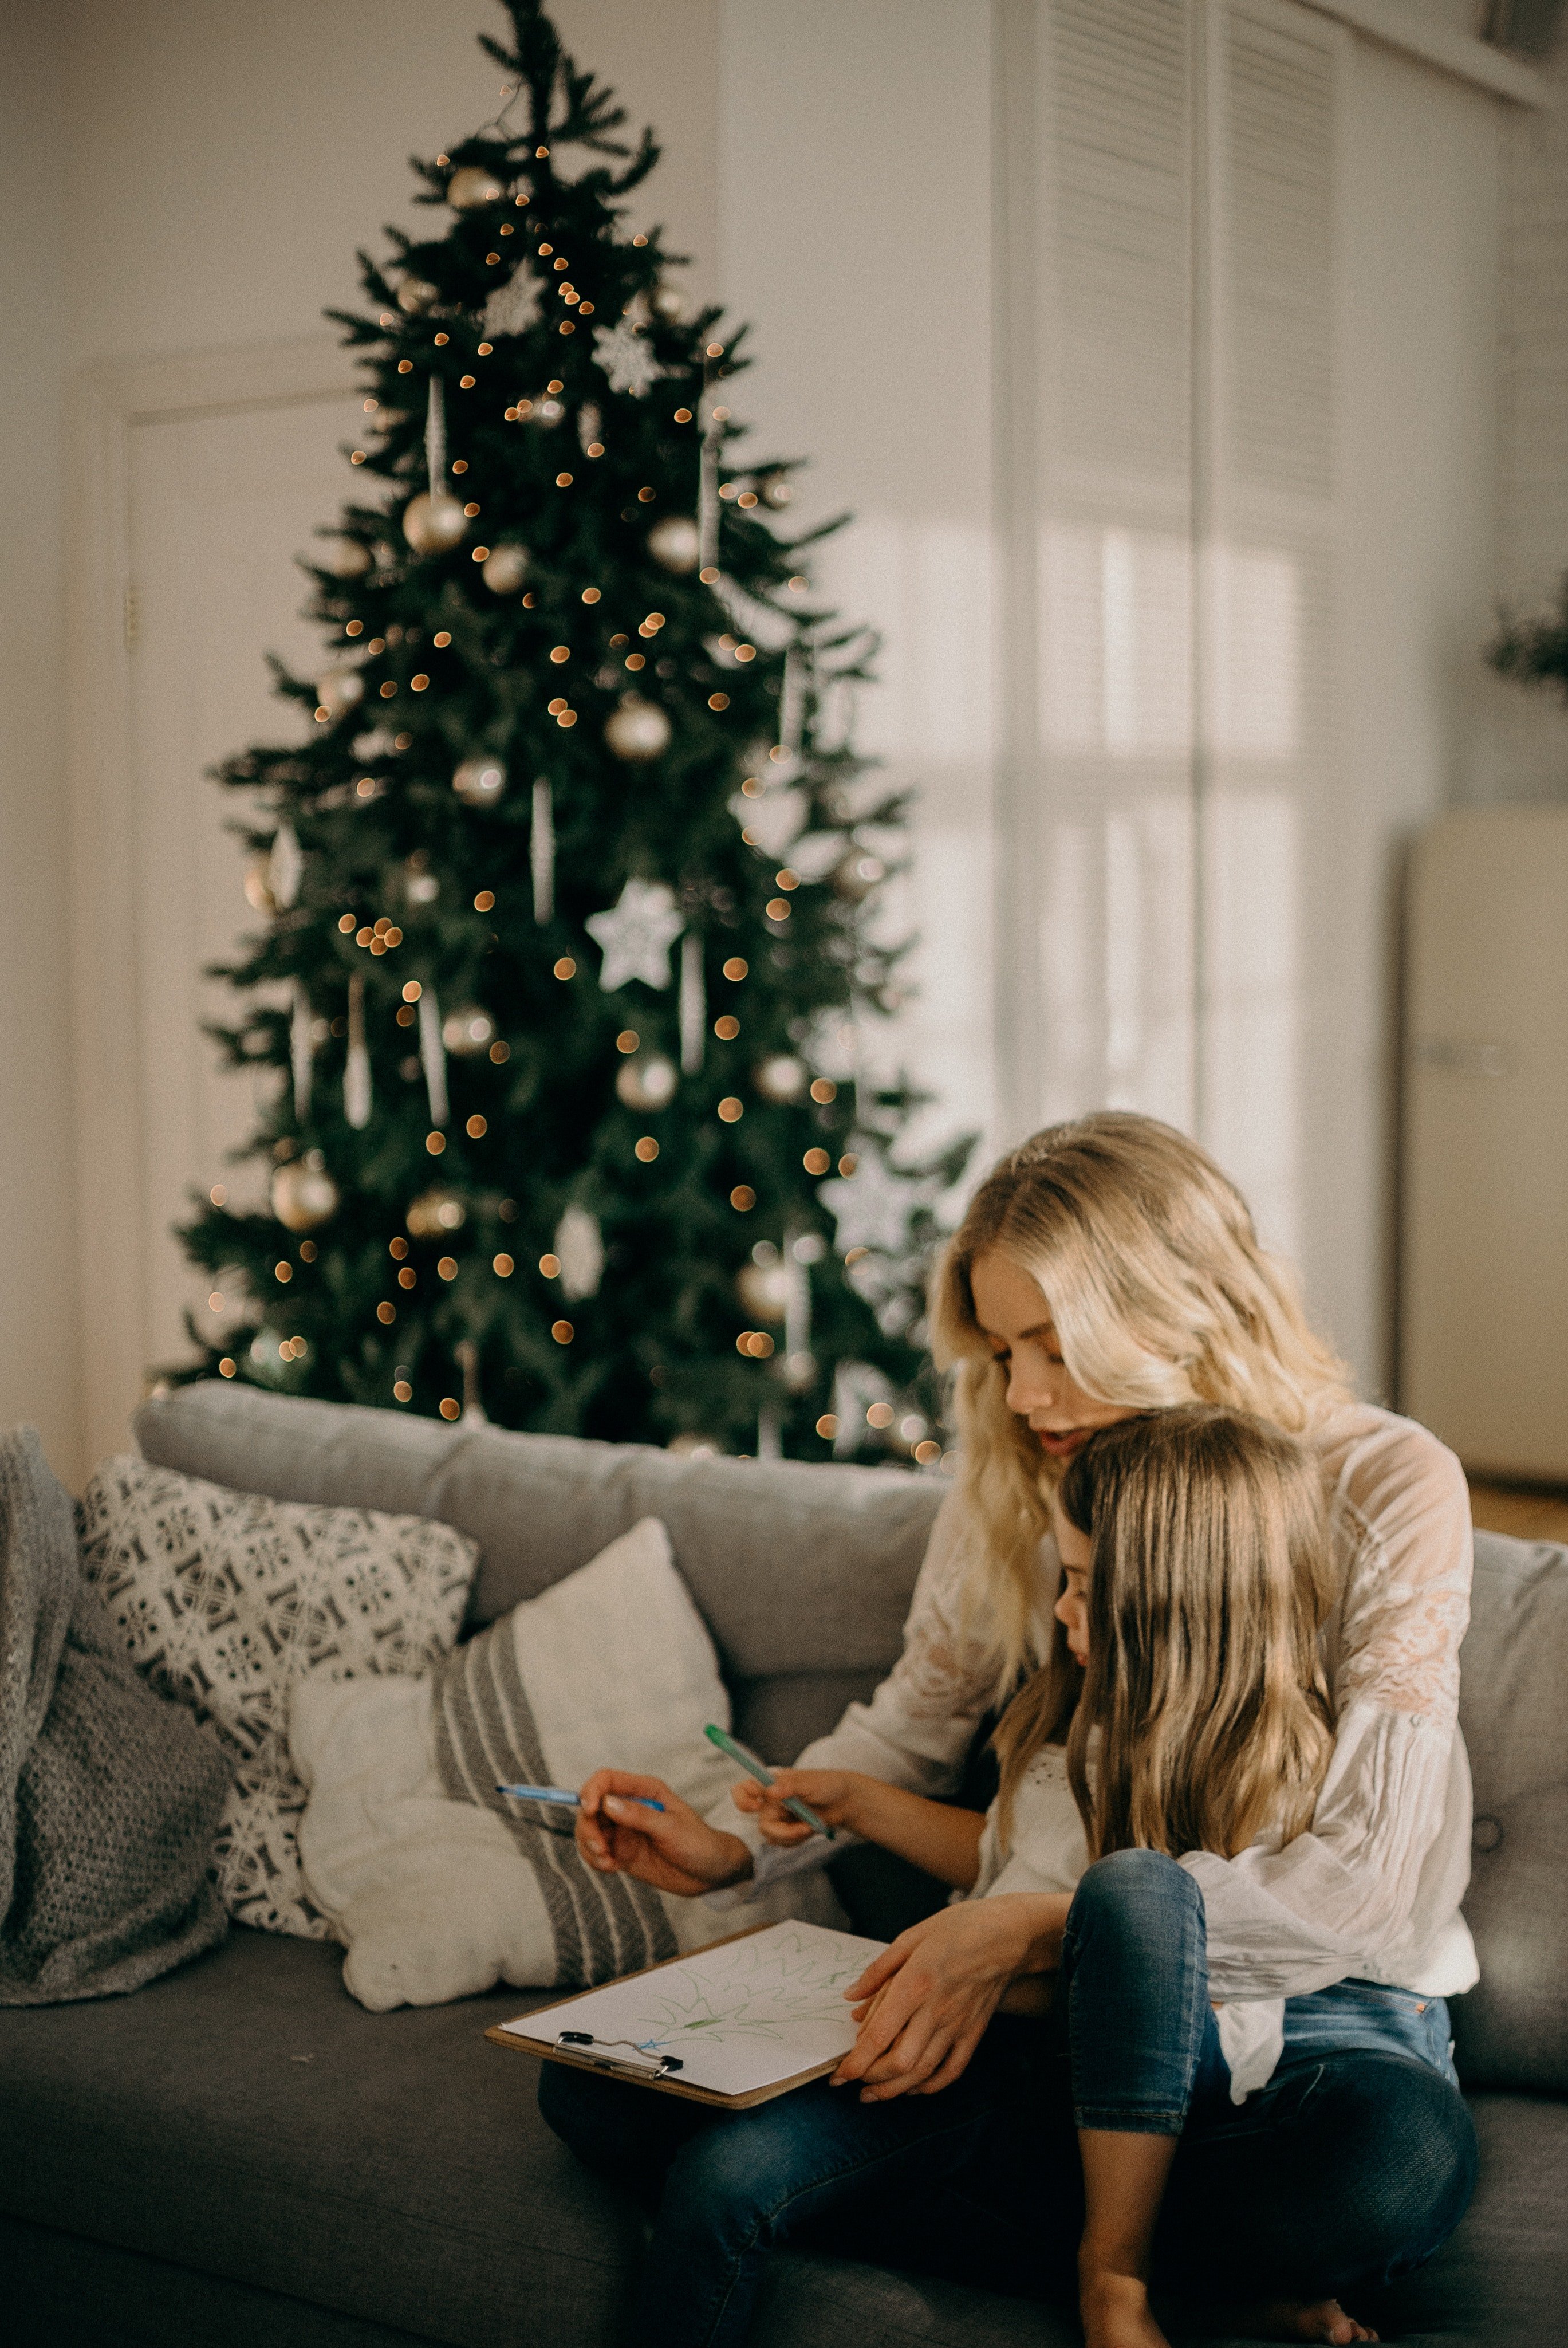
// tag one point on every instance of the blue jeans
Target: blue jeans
(1352, 2165)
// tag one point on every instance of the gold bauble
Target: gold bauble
(433, 525)
(548, 410)
(469, 188)
(435, 1213)
(781, 1077)
(639, 729)
(479, 782)
(648, 1080)
(765, 1290)
(346, 558)
(858, 875)
(467, 1030)
(417, 294)
(504, 570)
(776, 491)
(667, 303)
(340, 690)
(304, 1194)
(675, 543)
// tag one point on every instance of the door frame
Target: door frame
(109, 401)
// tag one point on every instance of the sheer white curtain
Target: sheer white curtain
(1167, 237)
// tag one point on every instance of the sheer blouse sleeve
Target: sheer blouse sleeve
(1384, 1856)
(916, 1728)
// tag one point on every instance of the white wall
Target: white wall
(39, 1361)
(182, 174)
(1416, 433)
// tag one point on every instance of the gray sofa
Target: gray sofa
(239, 2153)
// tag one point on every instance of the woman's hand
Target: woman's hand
(923, 2006)
(673, 1850)
(836, 1796)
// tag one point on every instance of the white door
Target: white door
(221, 502)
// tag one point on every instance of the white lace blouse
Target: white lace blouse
(1372, 1890)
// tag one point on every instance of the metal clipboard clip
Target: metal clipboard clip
(635, 2062)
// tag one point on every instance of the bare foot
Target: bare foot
(1114, 2309)
(1301, 2318)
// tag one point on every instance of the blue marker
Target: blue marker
(568, 1801)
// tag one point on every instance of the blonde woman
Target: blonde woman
(1107, 1269)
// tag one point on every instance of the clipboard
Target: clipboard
(609, 2061)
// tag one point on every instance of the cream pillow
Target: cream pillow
(440, 1887)
(231, 1603)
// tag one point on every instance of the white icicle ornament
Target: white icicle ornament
(579, 1249)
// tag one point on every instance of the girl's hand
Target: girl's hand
(836, 1794)
(673, 1850)
(923, 2006)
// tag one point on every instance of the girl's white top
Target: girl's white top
(1372, 1890)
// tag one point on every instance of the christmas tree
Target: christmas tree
(569, 883)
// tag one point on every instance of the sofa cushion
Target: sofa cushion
(1511, 2030)
(438, 1885)
(229, 1602)
(796, 1567)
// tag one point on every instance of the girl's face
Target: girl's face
(1071, 1609)
(1016, 1318)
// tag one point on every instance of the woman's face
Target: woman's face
(1016, 1318)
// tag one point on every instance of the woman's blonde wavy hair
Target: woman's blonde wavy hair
(1159, 1294)
(1204, 1714)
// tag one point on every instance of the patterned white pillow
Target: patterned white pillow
(226, 1600)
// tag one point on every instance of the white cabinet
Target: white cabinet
(1485, 1305)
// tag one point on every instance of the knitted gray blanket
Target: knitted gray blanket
(109, 1797)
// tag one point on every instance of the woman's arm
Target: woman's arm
(924, 2004)
(917, 1727)
(1387, 1857)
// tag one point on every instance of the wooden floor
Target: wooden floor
(1529, 1515)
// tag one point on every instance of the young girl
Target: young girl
(1198, 1721)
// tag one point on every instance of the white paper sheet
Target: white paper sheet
(738, 2016)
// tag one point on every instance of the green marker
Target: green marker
(764, 1777)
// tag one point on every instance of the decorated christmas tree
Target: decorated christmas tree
(569, 883)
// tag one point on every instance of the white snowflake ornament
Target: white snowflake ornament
(513, 308)
(870, 1208)
(772, 821)
(635, 936)
(626, 360)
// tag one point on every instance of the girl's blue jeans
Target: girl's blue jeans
(1351, 2166)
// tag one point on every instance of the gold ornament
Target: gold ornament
(858, 875)
(647, 1081)
(504, 570)
(781, 1077)
(346, 558)
(638, 730)
(776, 491)
(667, 303)
(304, 1194)
(259, 884)
(675, 543)
(695, 1446)
(467, 1031)
(435, 1213)
(340, 690)
(416, 295)
(479, 782)
(432, 525)
(548, 410)
(765, 1290)
(469, 190)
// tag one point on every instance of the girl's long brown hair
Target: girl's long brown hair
(1146, 1258)
(1204, 1714)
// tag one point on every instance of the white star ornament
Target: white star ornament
(635, 936)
